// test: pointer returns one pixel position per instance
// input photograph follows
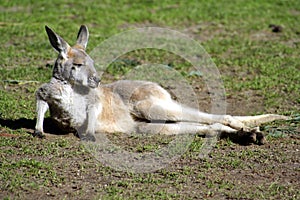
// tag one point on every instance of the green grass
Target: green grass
(259, 68)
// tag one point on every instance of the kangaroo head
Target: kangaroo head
(73, 64)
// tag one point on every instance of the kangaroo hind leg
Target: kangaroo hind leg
(155, 109)
(213, 130)
(259, 119)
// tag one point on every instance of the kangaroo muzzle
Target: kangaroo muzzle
(93, 81)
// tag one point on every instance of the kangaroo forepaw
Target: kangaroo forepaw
(38, 134)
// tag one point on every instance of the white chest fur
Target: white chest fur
(72, 104)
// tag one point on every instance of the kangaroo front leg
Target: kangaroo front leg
(92, 117)
(41, 108)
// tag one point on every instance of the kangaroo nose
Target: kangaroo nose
(97, 80)
(94, 81)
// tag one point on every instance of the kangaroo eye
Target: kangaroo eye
(77, 65)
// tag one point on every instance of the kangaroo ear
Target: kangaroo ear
(57, 42)
(82, 37)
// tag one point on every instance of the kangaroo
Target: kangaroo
(77, 101)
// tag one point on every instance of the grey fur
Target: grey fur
(77, 102)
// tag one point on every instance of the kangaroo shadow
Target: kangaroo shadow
(49, 125)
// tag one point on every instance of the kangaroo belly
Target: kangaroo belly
(115, 115)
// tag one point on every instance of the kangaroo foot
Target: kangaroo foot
(250, 136)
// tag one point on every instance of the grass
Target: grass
(259, 69)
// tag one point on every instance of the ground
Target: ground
(259, 67)
(59, 167)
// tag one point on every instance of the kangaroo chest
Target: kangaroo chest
(68, 107)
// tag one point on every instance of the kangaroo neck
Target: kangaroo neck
(80, 89)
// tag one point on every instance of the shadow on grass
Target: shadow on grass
(49, 125)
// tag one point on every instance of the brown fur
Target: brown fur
(75, 97)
